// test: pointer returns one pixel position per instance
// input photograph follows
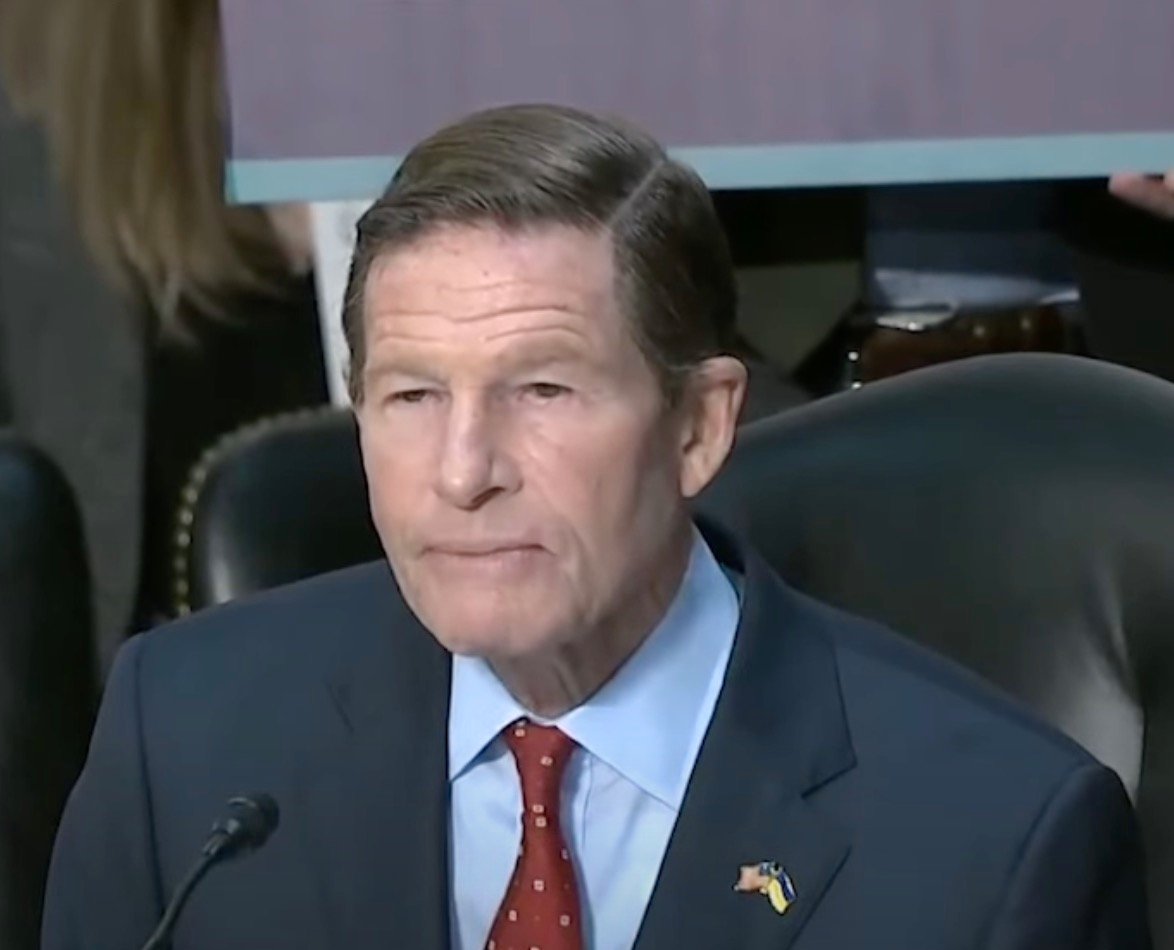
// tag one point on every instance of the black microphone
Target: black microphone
(250, 821)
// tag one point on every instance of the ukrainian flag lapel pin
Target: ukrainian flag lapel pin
(770, 879)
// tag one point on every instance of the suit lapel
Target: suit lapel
(777, 735)
(376, 812)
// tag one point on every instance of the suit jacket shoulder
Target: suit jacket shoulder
(890, 682)
(326, 694)
(290, 655)
(958, 787)
(910, 804)
(284, 617)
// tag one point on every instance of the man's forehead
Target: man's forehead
(461, 259)
(491, 282)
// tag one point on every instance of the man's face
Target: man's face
(525, 473)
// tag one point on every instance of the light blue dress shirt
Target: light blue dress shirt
(638, 740)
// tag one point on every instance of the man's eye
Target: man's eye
(409, 396)
(546, 390)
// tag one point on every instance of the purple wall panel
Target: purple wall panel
(319, 78)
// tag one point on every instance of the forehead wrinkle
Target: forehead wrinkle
(473, 316)
(549, 329)
(391, 329)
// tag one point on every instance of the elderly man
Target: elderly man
(562, 714)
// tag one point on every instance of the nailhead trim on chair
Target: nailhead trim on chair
(194, 486)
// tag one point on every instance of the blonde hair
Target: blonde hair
(129, 93)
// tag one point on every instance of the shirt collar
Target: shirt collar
(648, 720)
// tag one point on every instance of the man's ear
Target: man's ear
(711, 403)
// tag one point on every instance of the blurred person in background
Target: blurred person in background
(955, 270)
(1123, 244)
(1146, 192)
(141, 316)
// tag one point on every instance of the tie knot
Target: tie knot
(542, 754)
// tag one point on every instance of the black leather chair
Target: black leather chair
(1015, 512)
(270, 504)
(47, 676)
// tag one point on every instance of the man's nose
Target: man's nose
(474, 464)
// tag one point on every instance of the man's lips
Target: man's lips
(473, 549)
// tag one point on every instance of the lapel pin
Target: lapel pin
(767, 878)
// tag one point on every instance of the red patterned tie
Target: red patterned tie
(541, 906)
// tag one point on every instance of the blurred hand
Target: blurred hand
(1154, 194)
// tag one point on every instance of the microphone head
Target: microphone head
(251, 819)
(258, 816)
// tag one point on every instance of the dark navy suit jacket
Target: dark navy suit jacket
(912, 807)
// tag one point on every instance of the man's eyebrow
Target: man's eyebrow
(399, 365)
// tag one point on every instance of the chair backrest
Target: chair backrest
(47, 675)
(270, 504)
(1014, 512)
